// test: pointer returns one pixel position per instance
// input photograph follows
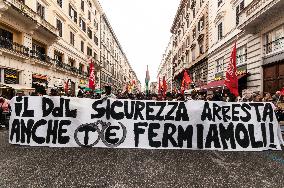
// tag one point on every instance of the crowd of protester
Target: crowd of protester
(277, 98)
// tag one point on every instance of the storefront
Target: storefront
(9, 83)
(40, 83)
(218, 83)
(8, 76)
(11, 76)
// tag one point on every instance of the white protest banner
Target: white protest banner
(110, 123)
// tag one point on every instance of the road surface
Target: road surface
(94, 167)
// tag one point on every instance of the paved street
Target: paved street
(80, 167)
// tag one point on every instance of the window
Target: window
(72, 13)
(239, 8)
(58, 56)
(202, 74)
(241, 55)
(95, 24)
(89, 51)
(201, 24)
(6, 35)
(59, 2)
(59, 26)
(193, 12)
(242, 5)
(201, 48)
(71, 62)
(89, 15)
(193, 54)
(81, 67)
(201, 2)
(220, 65)
(89, 33)
(220, 31)
(194, 77)
(40, 10)
(219, 2)
(193, 34)
(82, 24)
(274, 40)
(38, 50)
(82, 5)
(72, 38)
(96, 40)
(82, 46)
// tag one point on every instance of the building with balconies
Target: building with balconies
(257, 29)
(46, 44)
(223, 33)
(263, 21)
(190, 42)
(116, 69)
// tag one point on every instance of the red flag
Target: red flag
(92, 75)
(231, 80)
(185, 82)
(160, 87)
(282, 91)
(165, 87)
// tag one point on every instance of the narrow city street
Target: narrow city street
(83, 167)
(144, 93)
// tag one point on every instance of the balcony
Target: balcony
(259, 12)
(41, 57)
(65, 67)
(30, 19)
(13, 47)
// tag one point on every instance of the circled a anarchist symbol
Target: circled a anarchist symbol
(103, 134)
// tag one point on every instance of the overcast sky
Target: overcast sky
(143, 30)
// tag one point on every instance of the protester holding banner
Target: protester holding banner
(108, 93)
(4, 111)
(116, 123)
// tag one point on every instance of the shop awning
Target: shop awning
(218, 83)
(16, 86)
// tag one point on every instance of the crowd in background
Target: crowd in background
(218, 95)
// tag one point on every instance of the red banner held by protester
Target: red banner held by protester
(165, 87)
(185, 82)
(92, 75)
(160, 87)
(231, 80)
(282, 91)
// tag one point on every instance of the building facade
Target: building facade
(223, 33)
(257, 29)
(263, 21)
(46, 44)
(115, 67)
(190, 42)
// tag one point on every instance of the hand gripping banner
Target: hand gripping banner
(111, 123)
